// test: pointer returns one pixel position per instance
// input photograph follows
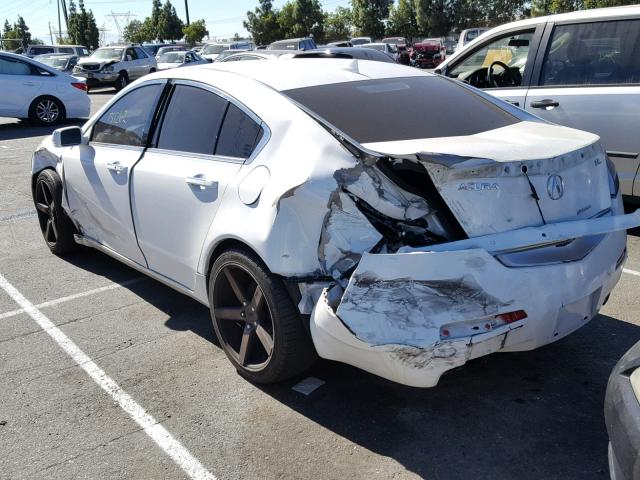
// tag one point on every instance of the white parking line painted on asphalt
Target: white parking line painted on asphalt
(68, 298)
(172, 447)
(631, 272)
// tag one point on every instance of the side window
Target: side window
(84, 51)
(40, 50)
(12, 66)
(192, 120)
(65, 50)
(131, 53)
(593, 54)
(140, 53)
(510, 50)
(239, 134)
(127, 121)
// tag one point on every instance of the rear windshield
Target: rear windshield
(384, 110)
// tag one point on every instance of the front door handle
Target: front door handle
(546, 103)
(116, 167)
(29, 84)
(201, 181)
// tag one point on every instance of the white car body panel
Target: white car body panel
(19, 91)
(292, 203)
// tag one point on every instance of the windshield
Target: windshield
(226, 53)
(54, 62)
(209, 49)
(171, 57)
(107, 54)
(405, 108)
(360, 41)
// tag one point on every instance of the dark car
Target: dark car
(622, 416)
(428, 53)
(154, 47)
(347, 52)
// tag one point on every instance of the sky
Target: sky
(223, 17)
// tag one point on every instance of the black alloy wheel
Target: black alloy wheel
(57, 229)
(257, 324)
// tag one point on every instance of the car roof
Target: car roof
(305, 72)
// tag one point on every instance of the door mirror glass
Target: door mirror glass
(67, 137)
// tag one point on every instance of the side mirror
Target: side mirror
(67, 137)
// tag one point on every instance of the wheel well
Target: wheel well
(34, 177)
(37, 99)
(123, 72)
(152, 70)
(228, 243)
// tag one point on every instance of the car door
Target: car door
(21, 83)
(144, 61)
(132, 64)
(97, 174)
(515, 48)
(178, 184)
(589, 79)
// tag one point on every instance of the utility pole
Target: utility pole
(63, 4)
(50, 34)
(59, 24)
(186, 7)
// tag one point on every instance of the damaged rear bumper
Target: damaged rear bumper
(412, 315)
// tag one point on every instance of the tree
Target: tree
(169, 26)
(262, 23)
(83, 29)
(137, 32)
(309, 19)
(337, 25)
(153, 22)
(369, 16)
(21, 32)
(195, 32)
(402, 19)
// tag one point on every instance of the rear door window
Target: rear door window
(598, 53)
(128, 120)
(192, 120)
(140, 53)
(239, 134)
(65, 50)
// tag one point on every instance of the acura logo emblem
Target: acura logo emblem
(555, 187)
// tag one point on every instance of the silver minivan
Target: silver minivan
(579, 69)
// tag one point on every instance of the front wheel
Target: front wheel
(121, 82)
(257, 323)
(57, 229)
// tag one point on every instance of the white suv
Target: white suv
(115, 66)
(579, 69)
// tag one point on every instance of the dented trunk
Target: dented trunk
(443, 257)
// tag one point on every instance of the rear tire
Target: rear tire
(255, 320)
(46, 111)
(57, 229)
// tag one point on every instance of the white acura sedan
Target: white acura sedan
(361, 211)
(39, 92)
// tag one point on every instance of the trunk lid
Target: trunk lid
(490, 180)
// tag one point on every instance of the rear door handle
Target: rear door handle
(546, 103)
(116, 167)
(201, 181)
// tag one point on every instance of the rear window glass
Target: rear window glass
(389, 109)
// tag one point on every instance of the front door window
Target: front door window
(501, 63)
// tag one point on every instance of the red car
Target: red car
(428, 53)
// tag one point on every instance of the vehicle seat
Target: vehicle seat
(578, 70)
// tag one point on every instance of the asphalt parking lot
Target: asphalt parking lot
(532, 415)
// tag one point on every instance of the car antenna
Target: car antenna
(534, 193)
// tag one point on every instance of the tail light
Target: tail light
(511, 317)
(80, 86)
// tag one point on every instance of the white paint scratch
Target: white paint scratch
(161, 436)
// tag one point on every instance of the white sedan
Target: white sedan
(40, 93)
(365, 212)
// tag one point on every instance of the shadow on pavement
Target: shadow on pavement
(527, 415)
(21, 129)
